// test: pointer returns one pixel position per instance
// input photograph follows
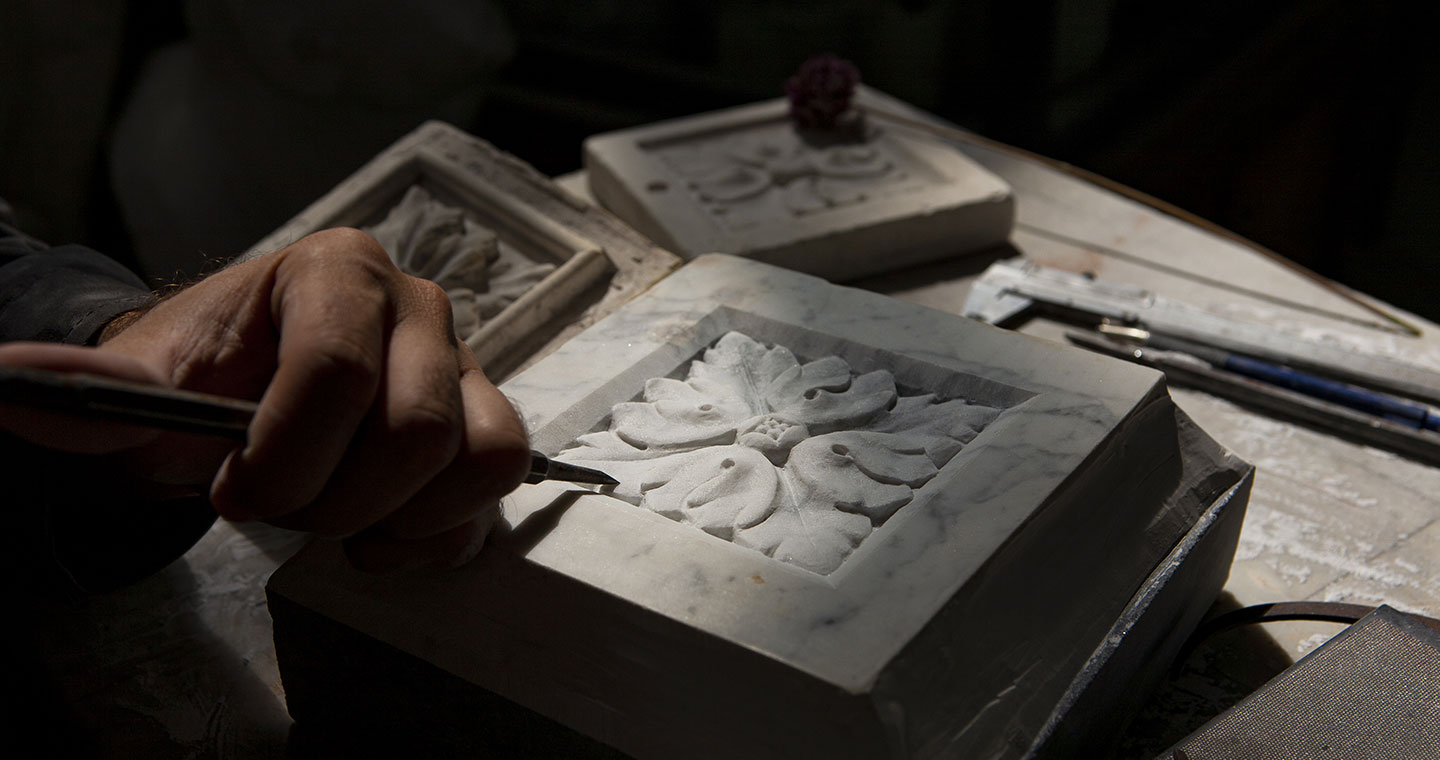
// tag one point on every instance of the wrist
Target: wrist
(120, 322)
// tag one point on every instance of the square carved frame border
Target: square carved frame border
(714, 294)
(912, 376)
(632, 627)
(600, 262)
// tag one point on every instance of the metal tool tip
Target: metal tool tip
(577, 474)
(545, 468)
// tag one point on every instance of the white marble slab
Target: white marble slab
(549, 255)
(950, 630)
(743, 181)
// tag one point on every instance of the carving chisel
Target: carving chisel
(1403, 437)
(1007, 290)
(1394, 408)
(186, 411)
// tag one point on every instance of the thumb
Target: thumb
(74, 433)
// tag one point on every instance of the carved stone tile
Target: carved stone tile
(988, 504)
(742, 181)
(799, 461)
(525, 264)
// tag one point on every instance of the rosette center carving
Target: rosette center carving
(799, 461)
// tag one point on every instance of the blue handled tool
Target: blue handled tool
(1010, 289)
(1345, 421)
(1394, 408)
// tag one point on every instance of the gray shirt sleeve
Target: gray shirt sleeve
(67, 530)
(63, 294)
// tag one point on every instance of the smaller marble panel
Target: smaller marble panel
(744, 181)
(525, 263)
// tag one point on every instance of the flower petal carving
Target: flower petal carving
(430, 239)
(799, 196)
(943, 426)
(737, 183)
(872, 474)
(791, 386)
(815, 538)
(717, 489)
(434, 241)
(826, 406)
(855, 162)
(701, 412)
(800, 461)
(747, 362)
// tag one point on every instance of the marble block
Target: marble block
(521, 259)
(743, 181)
(847, 526)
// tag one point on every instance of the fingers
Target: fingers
(331, 313)
(69, 432)
(493, 459)
(489, 457)
(378, 425)
(413, 430)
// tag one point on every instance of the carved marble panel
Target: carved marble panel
(743, 181)
(961, 478)
(797, 460)
(525, 264)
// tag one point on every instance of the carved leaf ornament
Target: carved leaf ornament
(431, 239)
(798, 461)
(806, 178)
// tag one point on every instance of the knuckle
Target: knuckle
(428, 292)
(427, 298)
(345, 365)
(428, 432)
(357, 242)
(340, 247)
(344, 356)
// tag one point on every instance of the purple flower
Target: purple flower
(821, 90)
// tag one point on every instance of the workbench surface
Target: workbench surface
(182, 664)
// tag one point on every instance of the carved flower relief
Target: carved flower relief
(431, 239)
(798, 461)
(778, 165)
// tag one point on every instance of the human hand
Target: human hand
(374, 425)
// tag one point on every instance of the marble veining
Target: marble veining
(769, 173)
(588, 600)
(434, 240)
(798, 460)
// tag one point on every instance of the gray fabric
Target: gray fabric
(63, 294)
(67, 524)
(1371, 693)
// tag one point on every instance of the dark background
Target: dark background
(1309, 127)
